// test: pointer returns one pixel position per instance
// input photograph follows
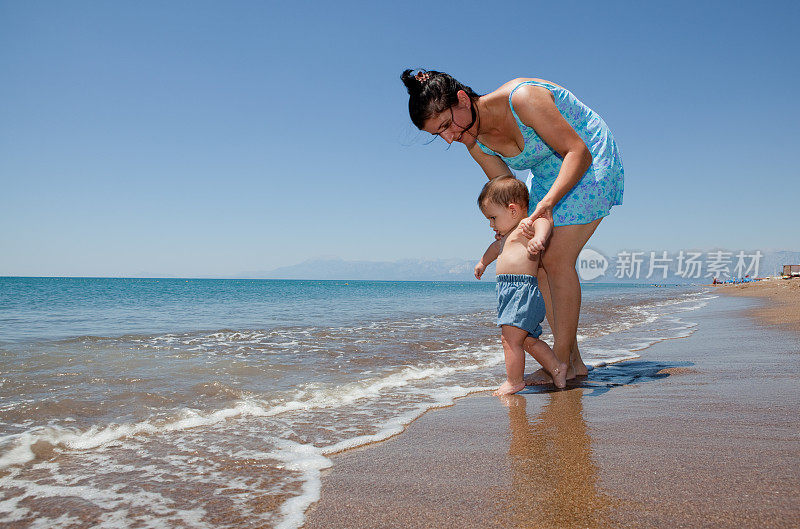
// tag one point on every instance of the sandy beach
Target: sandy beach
(698, 432)
(780, 300)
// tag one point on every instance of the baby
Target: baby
(520, 307)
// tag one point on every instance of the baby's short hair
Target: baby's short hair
(504, 190)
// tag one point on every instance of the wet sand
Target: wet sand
(780, 300)
(699, 432)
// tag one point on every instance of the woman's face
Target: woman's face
(455, 123)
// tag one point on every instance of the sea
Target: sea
(202, 403)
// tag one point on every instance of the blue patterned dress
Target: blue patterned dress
(601, 186)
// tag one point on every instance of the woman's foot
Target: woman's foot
(576, 361)
(578, 366)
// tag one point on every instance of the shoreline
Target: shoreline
(677, 437)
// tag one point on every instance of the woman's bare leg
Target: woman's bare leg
(541, 376)
(559, 259)
(575, 354)
(576, 361)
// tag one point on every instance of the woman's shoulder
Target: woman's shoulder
(506, 88)
(522, 91)
(499, 96)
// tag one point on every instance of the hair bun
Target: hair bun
(414, 82)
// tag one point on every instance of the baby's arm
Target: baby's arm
(541, 232)
(489, 256)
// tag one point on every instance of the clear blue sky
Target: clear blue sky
(208, 138)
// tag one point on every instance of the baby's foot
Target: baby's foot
(559, 376)
(538, 378)
(507, 388)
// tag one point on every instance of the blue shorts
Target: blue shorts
(520, 303)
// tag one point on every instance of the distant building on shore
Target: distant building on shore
(791, 270)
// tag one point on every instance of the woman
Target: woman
(576, 172)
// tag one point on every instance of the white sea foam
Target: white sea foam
(64, 520)
(610, 357)
(310, 460)
(112, 500)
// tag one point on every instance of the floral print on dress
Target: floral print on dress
(602, 184)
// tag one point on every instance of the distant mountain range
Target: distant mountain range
(770, 263)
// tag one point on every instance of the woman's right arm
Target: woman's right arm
(493, 166)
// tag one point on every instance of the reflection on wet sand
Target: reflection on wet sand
(554, 481)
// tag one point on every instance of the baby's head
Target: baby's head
(504, 201)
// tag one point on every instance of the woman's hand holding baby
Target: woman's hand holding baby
(543, 210)
(527, 227)
(537, 228)
(536, 243)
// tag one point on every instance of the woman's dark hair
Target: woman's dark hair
(431, 92)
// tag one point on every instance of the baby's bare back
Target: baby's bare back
(514, 257)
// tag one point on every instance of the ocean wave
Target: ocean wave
(19, 447)
(275, 336)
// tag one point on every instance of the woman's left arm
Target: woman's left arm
(536, 108)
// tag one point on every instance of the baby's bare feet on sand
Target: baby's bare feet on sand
(538, 378)
(559, 375)
(541, 377)
(507, 388)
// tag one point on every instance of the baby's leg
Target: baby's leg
(512, 338)
(545, 356)
(541, 376)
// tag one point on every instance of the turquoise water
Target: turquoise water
(48, 308)
(51, 308)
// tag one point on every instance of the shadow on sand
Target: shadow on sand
(607, 377)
